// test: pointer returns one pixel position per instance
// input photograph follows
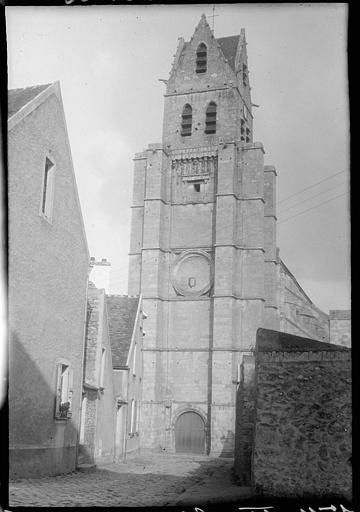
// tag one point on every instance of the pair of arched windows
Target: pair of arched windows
(210, 119)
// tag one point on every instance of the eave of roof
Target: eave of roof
(21, 102)
(18, 98)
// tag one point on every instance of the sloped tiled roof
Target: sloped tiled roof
(18, 98)
(272, 341)
(122, 313)
(229, 46)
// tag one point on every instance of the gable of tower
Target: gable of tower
(219, 59)
(208, 92)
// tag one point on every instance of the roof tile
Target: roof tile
(18, 98)
(229, 46)
(122, 314)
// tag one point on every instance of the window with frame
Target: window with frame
(132, 418)
(102, 368)
(186, 121)
(64, 391)
(47, 198)
(210, 121)
(134, 360)
(201, 58)
(137, 417)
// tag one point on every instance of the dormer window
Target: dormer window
(201, 58)
(186, 121)
(210, 122)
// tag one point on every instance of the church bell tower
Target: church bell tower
(203, 248)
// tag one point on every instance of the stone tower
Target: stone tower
(202, 252)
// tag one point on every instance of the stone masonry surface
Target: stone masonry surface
(144, 480)
(303, 424)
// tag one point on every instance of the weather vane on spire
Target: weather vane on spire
(213, 18)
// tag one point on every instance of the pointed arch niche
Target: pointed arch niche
(201, 58)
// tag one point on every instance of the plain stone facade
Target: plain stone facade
(48, 271)
(294, 420)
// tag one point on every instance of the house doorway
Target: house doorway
(190, 433)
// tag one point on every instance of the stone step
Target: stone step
(86, 468)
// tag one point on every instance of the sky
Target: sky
(109, 59)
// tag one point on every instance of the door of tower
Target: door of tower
(190, 433)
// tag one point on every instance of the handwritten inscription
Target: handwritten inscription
(333, 508)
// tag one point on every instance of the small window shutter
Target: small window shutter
(70, 390)
(58, 389)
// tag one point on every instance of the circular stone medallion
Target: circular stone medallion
(192, 273)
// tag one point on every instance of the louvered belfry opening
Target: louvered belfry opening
(210, 122)
(186, 121)
(201, 58)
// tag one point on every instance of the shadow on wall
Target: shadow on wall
(39, 444)
(228, 445)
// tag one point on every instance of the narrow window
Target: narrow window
(186, 121)
(132, 422)
(134, 361)
(201, 58)
(242, 128)
(82, 421)
(245, 113)
(48, 189)
(64, 391)
(210, 123)
(102, 368)
(245, 74)
(137, 417)
(196, 186)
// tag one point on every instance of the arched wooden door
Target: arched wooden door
(190, 433)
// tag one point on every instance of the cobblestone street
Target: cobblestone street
(147, 480)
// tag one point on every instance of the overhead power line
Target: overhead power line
(310, 186)
(312, 208)
(312, 197)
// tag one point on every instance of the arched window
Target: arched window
(210, 122)
(201, 58)
(186, 121)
